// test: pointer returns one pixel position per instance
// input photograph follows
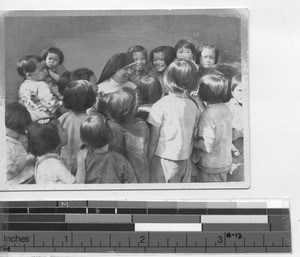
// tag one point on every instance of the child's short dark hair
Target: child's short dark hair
(187, 44)
(180, 76)
(169, 53)
(53, 50)
(209, 46)
(149, 90)
(81, 73)
(138, 48)
(79, 96)
(120, 105)
(236, 81)
(27, 64)
(17, 117)
(95, 131)
(229, 70)
(43, 137)
(214, 88)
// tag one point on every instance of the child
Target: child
(78, 97)
(236, 107)
(34, 93)
(19, 164)
(149, 92)
(58, 75)
(44, 138)
(140, 57)
(116, 74)
(160, 58)
(214, 135)
(85, 74)
(207, 55)
(130, 134)
(186, 50)
(101, 164)
(172, 120)
(89, 75)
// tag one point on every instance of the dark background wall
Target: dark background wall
(88, 41)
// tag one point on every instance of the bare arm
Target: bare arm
(19, 167)
(81, 172)
(154, 136)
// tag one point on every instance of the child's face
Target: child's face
(140, 60)
(184, 53)
(159, 61)
(124, 74)
(52, 60)
(40, 73)
(237, 93)
(207, 58)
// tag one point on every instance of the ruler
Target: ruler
(145, 226)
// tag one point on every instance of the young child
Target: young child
(236, 107)
(140, 57)
(186, 50)
(160, 58)
(84, 74)
(207, 55)
(214, 135)
(116, 74)
(44, 139)
(101, 164)
(78, 97)
(57, 73)
(34, 93)
(130, 134)
(172, 120)
(149, 92)
(19, 164)
(89, 75)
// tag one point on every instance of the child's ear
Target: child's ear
(28, 75)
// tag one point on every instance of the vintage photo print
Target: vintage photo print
(113, 100)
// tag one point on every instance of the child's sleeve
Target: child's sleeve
(206, 133)
(156, 114)
(63, 77)
(48, 100)
(64, 175)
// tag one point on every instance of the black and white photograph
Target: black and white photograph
(132, 99)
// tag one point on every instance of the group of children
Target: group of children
(173, 117)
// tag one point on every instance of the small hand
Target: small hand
(82, 153)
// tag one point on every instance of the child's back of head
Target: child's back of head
(17, 117)
(121, 105)
(79, 96)
(149, 90)
(180, 76)
(27, 65)
(95, 131)
(84, 74)
(43, 136)
(214, 88)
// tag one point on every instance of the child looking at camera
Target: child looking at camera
(172, 120)
(45, 136)
(140, 57)
(34, 93)
(161, 57)
(130, 134)
(214, 135)
(186, 50)
(78, 97)
(57, 73)
(101, 164)
(207, 55)
(19, 164)
(236, 107)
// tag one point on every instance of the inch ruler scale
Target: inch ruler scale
(145, 226)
